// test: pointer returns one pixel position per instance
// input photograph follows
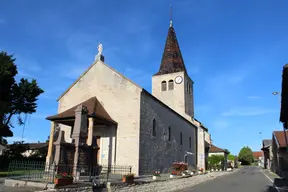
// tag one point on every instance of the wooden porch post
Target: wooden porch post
(50, 146)
(90, 131)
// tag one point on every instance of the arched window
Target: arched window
(181, 139)
(171, 84)
(169, 133)
(163, 86)
(154, 128)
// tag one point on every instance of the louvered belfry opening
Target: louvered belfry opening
(172, 60)
(284, 100)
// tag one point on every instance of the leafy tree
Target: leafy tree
(15, 98)
(231, 157)
(246, 156)
(215, 161)
(15, 150)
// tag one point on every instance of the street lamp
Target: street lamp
(275, 93)
(186, 154)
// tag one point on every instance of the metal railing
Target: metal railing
(41, 172)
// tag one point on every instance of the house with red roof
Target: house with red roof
(214, 150)
(279, 163)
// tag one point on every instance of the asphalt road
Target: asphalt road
(248, 179)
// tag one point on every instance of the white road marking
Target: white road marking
(270, 180)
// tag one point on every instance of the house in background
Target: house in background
(32, 148)
(218, 151)
(267, 151)
(259, 157)
(279, 163)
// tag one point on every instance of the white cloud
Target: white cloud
(250, 111)
(253, 97)
(220, 124)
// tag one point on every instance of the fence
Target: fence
(41, 172)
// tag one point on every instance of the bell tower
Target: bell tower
(171, 84)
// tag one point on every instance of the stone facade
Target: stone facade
(180, 98)
(151, 131)
(160, 150)
(116, 93)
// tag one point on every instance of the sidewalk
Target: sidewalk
(280, 183)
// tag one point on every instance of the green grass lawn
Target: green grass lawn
(19, 172)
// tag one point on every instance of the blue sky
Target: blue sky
(234, 51)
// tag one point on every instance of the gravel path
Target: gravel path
(172, 185)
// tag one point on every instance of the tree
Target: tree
(231, 157)
(15, 150)
(215, 161)
(15, 98)
(246, 156)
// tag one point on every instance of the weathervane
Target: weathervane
(170, 15)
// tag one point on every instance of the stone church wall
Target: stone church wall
(121, 99)
(158, 152)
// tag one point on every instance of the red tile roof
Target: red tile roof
(257, 154)
(280, 136)
(214, 149)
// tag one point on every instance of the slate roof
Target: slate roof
(95, 109)
(267, 142)
(172, 60)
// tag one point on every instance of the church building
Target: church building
(130, 125)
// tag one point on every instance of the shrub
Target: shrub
(63, 175)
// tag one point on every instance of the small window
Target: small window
(163, 86)
(190, 144)
(190, 90)
(187, 87)
(169, 133)
(181, 139)
(171, 84)
(154, 128)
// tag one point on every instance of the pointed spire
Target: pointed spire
(172, 60)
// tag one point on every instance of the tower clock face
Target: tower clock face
(178, 79)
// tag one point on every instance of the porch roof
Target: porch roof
(95, 109)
